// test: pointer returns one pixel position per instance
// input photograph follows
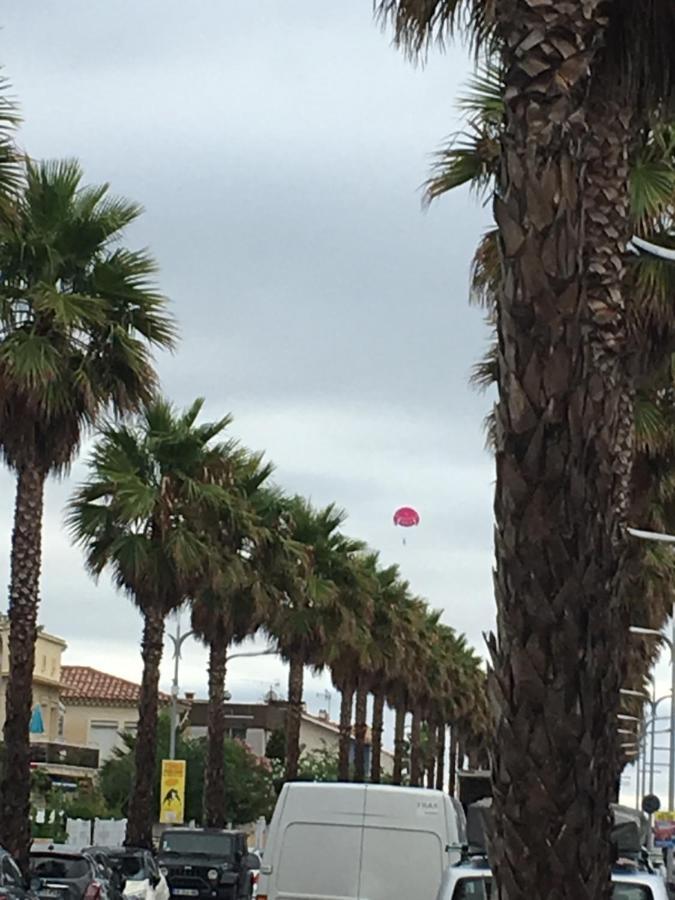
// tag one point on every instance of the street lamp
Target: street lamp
(178, 640)
(652, 632)
(664, 539)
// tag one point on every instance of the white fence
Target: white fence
(103, 832)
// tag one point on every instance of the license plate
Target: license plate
(185, 892)
(51, 894)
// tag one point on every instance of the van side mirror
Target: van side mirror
(251, 861)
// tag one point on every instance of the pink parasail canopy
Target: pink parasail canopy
(406, 517)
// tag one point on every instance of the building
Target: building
(47, 721)
(255, 722)
(99, 707)
(64, 761)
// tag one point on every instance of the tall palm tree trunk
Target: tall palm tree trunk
(399, 743)
(360, 731)
(376, 730)
(416, 748)
(296, 679)
(432, 750)
(344, 750)
(214, 776)
(142, 812)
(26, 558)
(440, 757)
(452, 761)
(561, 421)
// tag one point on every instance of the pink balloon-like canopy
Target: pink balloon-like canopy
(406, 517)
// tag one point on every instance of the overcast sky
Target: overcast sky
(278, 149)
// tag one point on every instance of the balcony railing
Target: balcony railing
(64, 754)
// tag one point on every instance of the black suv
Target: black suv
(206, 863)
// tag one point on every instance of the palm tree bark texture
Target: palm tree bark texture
(431, 753)
(416, 749)
(15, 828)
(452, 761)
(296, 677)
(142, 812)
(214, 782)
(440, 758)
(344, 749)
(360, 732)
(399, 743)
(376, 730)
(561, 465)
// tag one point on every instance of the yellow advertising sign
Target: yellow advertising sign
(172, 792)
(665, 815)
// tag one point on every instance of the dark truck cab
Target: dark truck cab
(206, 864)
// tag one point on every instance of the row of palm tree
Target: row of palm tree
(181, 515)
(570, 153)
(177, 511)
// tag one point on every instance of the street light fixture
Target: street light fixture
(664, 539)
(178, 640)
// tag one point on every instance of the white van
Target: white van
(359, 842)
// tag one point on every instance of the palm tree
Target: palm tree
(580, 80)
(144, 514)
(387, 638)
(405, 674)
(78, 317)
(307, 602)
(473, 158)
(426, 660)
(347, 652)
(229, 607)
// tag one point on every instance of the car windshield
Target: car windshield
(479, 889)
(198, 842)
(132, 867)
(626, 891)
(473, 889)
(65, 868)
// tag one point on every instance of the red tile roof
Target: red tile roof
(84, 686)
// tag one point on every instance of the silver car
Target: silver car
(473, 881)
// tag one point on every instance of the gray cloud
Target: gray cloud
(279, 150)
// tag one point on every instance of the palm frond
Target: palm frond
(418, 24)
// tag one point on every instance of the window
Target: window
(53, 866)
(237, 734)
(104, 735)
(197, 842)
(626, 891)
(473, 889)
(131, 865)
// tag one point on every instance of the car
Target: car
(207, 863)
(255, 870)
(472, 880)
(12, 883)
(139, 871)
(107, 873)
(66, 875)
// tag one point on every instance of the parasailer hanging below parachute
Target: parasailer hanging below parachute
(406, 517)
